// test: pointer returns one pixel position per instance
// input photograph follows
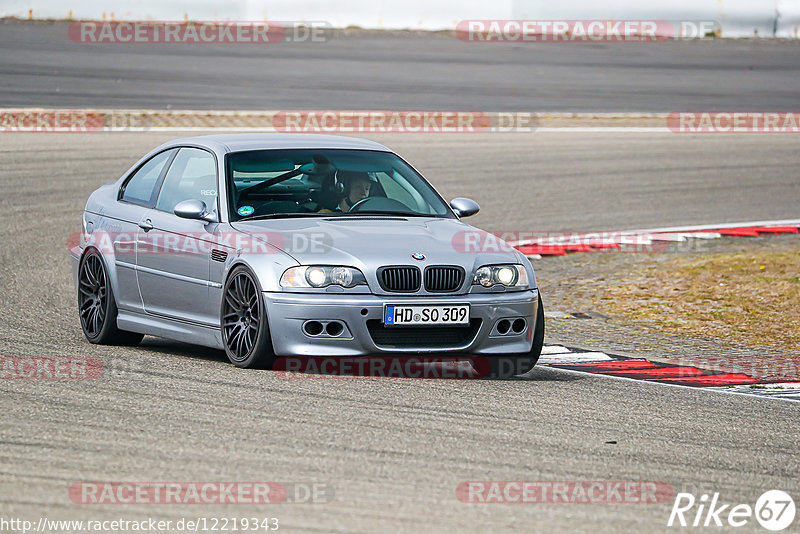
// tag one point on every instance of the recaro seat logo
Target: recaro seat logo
(774, 510)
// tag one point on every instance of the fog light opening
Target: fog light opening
(334, 329)
(313, 328)
(503, 326)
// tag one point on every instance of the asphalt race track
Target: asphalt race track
(391, 453)
(40, 66)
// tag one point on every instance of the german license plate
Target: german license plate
(396, 315)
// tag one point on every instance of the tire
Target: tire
(97, 306)
(519, 364)
(243, 320)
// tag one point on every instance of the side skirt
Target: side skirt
(170, 329)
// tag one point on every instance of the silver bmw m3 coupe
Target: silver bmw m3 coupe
(281, 245)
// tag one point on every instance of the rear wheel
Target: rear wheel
(245, 331)
(519, 364)
(96, 304)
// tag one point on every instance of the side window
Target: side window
(192, 175)
(140, 188)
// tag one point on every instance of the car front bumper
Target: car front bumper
(364, 333)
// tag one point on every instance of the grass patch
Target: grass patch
(749, 297)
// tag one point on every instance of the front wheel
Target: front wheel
(96, 304)
(245, 331)
(519, 364)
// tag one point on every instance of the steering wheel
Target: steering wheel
(379, 204)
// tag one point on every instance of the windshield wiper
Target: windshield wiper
(281, 216)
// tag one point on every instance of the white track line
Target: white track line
(727, 391)
(602, 129)
(702, 235)
(784, 390)
(268, 129)
(554, 349)
(574, 357)
(699, 228)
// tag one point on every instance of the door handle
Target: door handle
(146, 225)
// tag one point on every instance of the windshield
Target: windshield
(326, 182)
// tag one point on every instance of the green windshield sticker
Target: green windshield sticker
(245, 210)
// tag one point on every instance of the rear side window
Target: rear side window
(140, 188)
(191, 176)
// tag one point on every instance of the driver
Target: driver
(355, 187)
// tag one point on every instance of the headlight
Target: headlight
(316, 276)
(322, 276)
(342, 276)
(483, 276)
(507, 275)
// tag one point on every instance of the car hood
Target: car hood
(371, 242)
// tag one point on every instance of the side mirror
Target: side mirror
(464, 207)
(194, 209)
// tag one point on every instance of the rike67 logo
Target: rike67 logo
(774, 510)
